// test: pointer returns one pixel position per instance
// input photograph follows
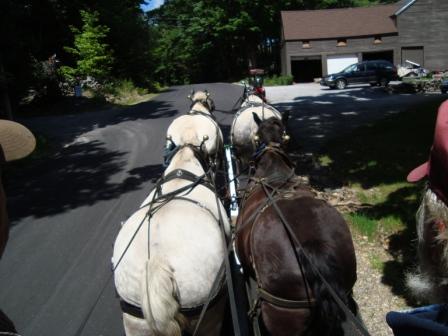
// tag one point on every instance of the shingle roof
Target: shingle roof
(341, 22)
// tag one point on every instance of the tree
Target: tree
(93, 57)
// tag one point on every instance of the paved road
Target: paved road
(66, 210)
(318, 113)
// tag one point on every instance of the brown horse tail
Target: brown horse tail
(326, 317)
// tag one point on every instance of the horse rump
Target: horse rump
(326, 317)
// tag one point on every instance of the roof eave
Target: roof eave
(339, 37)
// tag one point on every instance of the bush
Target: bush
(278, 80)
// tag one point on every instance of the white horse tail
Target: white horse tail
(159, 299)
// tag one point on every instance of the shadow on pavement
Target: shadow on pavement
(81, 174)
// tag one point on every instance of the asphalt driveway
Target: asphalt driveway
(319, 113)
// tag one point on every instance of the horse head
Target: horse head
(270, 140)
(203, 97)
(272, 130)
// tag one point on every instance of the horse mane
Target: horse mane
(199, 95)
(199, 106)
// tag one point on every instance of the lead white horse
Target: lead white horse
(252, 99)
(244, 129)
(201, 119)
(171, 263)
(202, 96)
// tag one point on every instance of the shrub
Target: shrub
(278, 80)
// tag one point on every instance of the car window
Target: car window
(350, 68)
(360, 68)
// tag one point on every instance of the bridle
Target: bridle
(207, 103)
(276, 187)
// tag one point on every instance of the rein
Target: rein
(271, 200)
(202, 113)
(207, 103)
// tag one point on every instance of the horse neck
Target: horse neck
(200, 107)
(271, 163)
(186, 160)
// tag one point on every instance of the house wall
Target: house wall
(323, 48)
(425, 23)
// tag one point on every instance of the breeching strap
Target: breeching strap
(297, 245)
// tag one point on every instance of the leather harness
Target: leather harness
(282, 188)
(160, 200)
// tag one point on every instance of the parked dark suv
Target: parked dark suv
(373, 72)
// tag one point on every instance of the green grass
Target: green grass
(363, 224)
(376, 263)
(325, 160)
(374, 161)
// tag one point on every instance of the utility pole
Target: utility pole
(4, 96)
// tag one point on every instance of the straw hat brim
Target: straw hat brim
(16, 140)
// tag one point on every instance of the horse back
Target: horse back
(268, 253)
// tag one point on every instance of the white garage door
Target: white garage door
(336, 63)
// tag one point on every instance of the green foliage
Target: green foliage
(93, 57)
(278, 80)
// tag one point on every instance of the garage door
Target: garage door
(336, 63)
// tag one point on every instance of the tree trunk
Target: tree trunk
(4, 96)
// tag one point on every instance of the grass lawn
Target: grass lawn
(374, 161)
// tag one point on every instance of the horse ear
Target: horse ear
(256, 118)
(190, 96)
(285, 117)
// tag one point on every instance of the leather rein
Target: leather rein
(282, 188)
(272, 196)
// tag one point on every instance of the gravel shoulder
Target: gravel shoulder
(374, 298)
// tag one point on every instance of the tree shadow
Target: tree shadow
(380, 155)
(79, 175)
(317, 119)
(70, 173)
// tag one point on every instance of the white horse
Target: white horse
(202, 96)
(244, 129)
(175, 267)
(200, 118)
(252, 99)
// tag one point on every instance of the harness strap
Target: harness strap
(208, 115)
(131, 309)
(284, 303)
(298, 246)
(186, 175)
(137, 312)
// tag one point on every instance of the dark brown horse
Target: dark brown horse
(292, 299)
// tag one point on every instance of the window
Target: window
(377, 40)
(342, 42)
(306, 44)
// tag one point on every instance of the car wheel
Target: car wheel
(444, 91)
(383, 82)
(373, 84)
(341, 84)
